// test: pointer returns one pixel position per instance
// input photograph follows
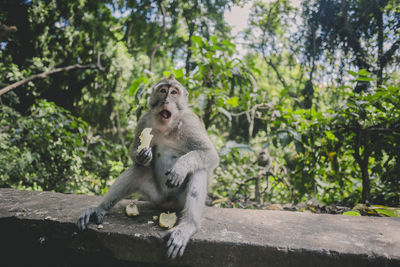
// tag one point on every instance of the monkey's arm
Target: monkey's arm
(201, 153)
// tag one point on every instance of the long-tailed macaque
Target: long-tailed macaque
(174, 172)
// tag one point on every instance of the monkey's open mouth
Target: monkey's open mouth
(165, 114)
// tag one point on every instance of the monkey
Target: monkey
(174, 173)
(264, 159)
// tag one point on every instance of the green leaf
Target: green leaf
(386, 212)
(178, 73)
(233, 101)
(364, 79)
(363, 72)
(352, 73)
(330, 135)
(135, 85)
(228, 44)
(74, 124)
(196, 39)
(352, 213)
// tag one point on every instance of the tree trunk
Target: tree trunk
(258, 190)
(189, 52)
(160, 36)
(365, 183)
(379, 18)
(362, 139)
(207, 113)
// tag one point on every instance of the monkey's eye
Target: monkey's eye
(174, 92)
(163, 90)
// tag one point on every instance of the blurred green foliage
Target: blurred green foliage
(52, 150)
(318, 88)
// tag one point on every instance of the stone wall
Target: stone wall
(38, 229)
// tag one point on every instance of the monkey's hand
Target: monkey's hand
(95, 215)
(144, 157)
(178, 237)
(176, 175)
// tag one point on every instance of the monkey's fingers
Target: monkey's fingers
(145, 156)
(170, 180)
(173, 251)
(88, 215)
(173, 248)
(100, 217)
(176, 243)
(182, 250)
(176, 248)
(144, 151)
(82, 221)
(173, 179)
(80, 224)
(91, 214)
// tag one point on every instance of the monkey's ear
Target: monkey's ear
(171, 77)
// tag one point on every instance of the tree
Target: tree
(366, 33)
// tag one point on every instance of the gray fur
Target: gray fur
(174, 173)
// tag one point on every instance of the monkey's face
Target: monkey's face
(167, 101)
(263, 158)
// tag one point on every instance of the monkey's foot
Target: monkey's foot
(178, 237)
(95, 215)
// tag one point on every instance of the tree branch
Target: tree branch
(349, 36)
(269, 62)
(47, 73)
(164, 28)
(263, 45)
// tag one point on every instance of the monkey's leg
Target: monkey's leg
(128, 182)
(196, 193)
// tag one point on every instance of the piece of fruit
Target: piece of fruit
(132, 210)
(145, 139)
(168, 220)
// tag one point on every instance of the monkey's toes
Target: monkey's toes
(84, 219)
(90, 215)
(176, 243)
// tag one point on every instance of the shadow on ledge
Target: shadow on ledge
(38, 228)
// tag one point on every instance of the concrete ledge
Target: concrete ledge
(38, 228)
